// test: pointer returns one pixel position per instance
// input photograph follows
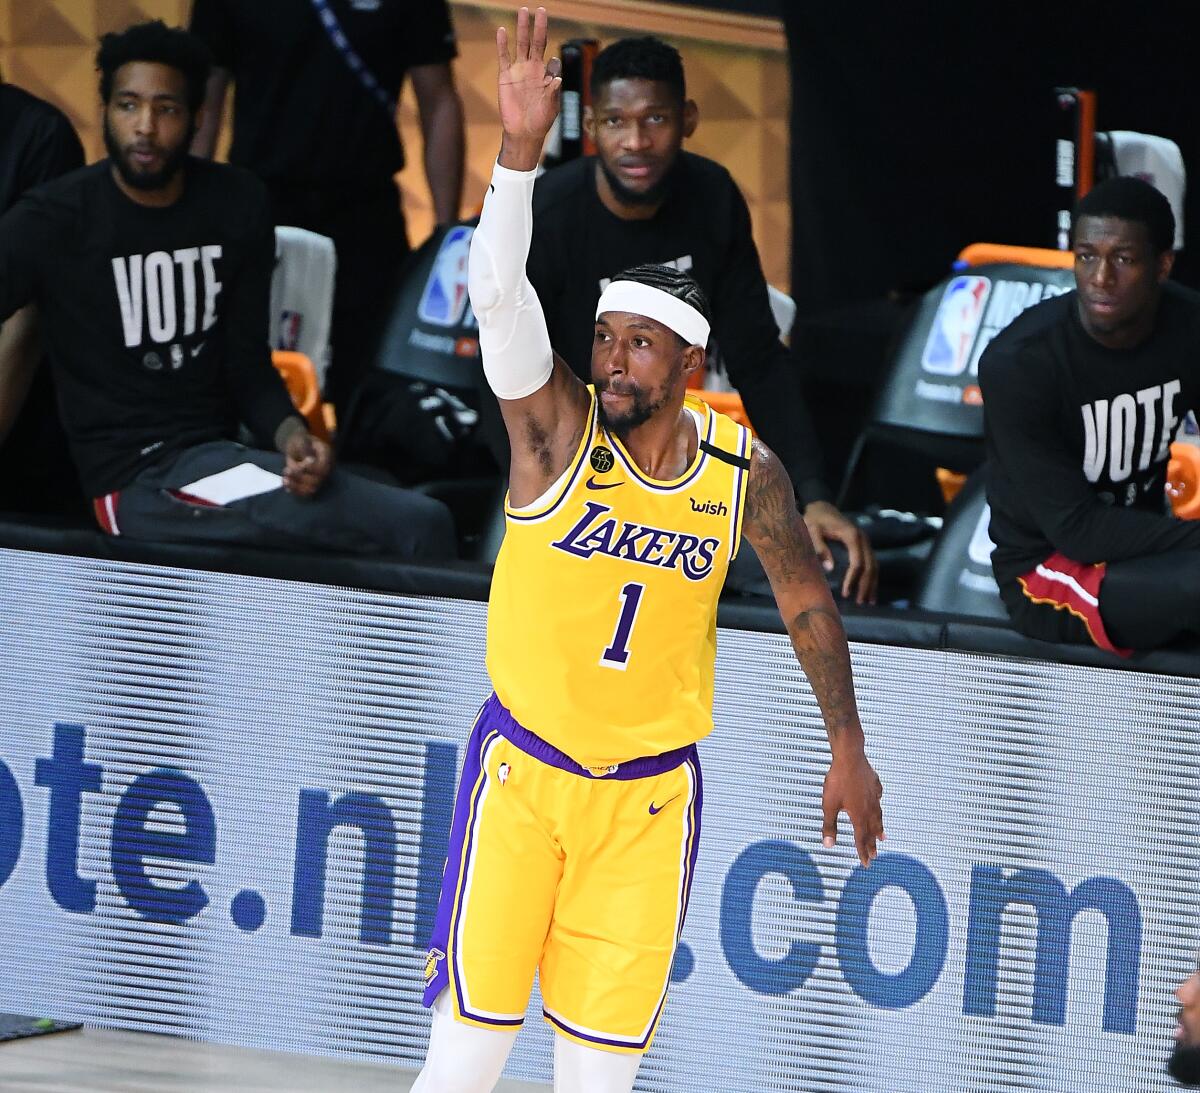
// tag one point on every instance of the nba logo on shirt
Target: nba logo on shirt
(445, 296)
(948, 349)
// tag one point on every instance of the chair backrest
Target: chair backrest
(302, 295)
(431, 333)
(929, 411)
(1183, 480)
(300, 377)
(933, 383)
(979, 254)
(958, 576)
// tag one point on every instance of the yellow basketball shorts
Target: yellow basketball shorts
(582, 876)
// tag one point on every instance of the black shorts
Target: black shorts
(1059, 600)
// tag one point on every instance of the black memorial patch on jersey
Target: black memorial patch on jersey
(601, 459)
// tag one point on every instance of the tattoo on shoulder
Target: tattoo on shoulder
(773, 523)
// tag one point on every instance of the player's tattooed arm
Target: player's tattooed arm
(774, 527)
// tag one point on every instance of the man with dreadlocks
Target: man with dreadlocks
(575, 832)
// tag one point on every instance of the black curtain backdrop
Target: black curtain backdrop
(920, 127)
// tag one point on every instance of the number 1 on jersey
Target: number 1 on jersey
(617, 653)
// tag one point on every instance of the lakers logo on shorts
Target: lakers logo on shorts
(602, 772)
(602, 459)
(432, 960)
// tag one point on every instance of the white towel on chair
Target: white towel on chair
(302, 295)
(1158, 161)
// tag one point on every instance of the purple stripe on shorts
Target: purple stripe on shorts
(631, 1045)
(441, 944)
(647, 766)
(695, 812)
(697, 817)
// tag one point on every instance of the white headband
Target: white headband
(653, 303)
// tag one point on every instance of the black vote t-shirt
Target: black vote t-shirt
(703, 228)
(301, 115)
(1078, 435)
(155, 319)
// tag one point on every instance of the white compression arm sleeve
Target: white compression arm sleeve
(513, 339)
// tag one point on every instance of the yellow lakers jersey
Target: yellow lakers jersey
(603, 610)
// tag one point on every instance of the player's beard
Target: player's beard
(1184, 1064)
(172, 163)
(644, 405)
(655, 195)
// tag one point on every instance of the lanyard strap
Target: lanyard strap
(356, 64)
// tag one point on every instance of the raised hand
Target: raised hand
(529, 90)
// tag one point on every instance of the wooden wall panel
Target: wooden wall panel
(47, 47)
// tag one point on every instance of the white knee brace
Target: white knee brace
(579, 1069)
(466, 1059)
(461, 1058)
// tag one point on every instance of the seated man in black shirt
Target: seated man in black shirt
(37, 144)
(151, 272)
(1084, 394)
(641, 200)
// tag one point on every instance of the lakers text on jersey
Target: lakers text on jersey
(602, 619)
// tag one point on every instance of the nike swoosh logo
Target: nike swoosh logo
(592, 484)
(655, 811)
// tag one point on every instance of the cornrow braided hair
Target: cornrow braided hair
(671, 280)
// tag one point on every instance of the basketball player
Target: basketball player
(575, 832)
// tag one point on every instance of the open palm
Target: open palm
(529, 88)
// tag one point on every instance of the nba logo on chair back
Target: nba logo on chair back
(290, 323)
(445, 297)
(981, 545)
(952, 336)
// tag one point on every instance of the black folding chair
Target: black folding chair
(958, 578)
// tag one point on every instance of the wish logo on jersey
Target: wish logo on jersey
(597, 531)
